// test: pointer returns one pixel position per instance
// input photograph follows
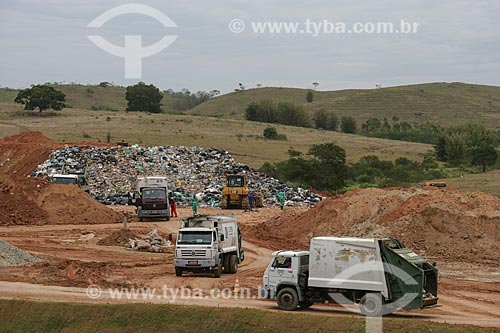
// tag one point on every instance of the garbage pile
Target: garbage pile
(13, 256)
(111, 173)
(152, 242)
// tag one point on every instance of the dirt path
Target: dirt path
(26, 291)
(469, 294)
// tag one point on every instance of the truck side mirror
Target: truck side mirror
(221, 237)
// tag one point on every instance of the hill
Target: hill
(441, 103)
(110, 98)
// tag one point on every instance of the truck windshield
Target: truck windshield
(235, 182)
(195, 237)
(156, 193)
(64, 180)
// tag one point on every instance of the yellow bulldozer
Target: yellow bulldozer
(235, 194)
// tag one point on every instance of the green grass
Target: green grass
(440, 103)
(24, 316)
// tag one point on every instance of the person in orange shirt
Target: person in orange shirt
(173, 207)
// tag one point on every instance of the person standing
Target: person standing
(250, 200)
(281, 197)
(173, 207)
(194, 204)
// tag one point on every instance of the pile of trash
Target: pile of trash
(13, 256)
(111, 173)
(152, 242)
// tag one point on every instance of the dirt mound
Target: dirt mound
(20, 154)
(27, 200)
(441, 223)
(118, 238)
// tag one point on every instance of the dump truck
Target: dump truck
(208, 244)
(151, 198)
(381, 275)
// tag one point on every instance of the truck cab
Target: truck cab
(208, 244)
(151, 198)
(287, 269)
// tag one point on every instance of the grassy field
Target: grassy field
(440, 103)
(24, 316)
(241, 138)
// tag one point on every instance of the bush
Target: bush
(272, 134)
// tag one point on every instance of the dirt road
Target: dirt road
(469, 294)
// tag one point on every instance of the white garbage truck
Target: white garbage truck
(209, 243)
(380, 275)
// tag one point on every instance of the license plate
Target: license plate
(154, 212)
(192, 262)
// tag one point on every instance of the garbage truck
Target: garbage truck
(151, 198)
(79, 180)
(381, 275)
(208, 244)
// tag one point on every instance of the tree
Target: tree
(320, 119)
(440, 148)
(371, 125)
(292, 115)
(455, 148)
(329, 170)
(348, 124)
(485, 155)
(142, 97)
(315, 84)
(41, 97)
(251, 111)
(309, 96)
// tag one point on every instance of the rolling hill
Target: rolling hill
(441, 103)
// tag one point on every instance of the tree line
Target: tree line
(325, 168)
(288, 113)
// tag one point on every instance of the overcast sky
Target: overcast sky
(46, 41)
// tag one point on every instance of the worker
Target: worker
(250, 200)
(281, 197)
(173, 207)
(194, 205)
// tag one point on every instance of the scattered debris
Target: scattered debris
(13, 256)
(111, 173)
(152, 242)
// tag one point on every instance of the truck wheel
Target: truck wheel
(305, 304)
(218, 271)
(371, 305)
(227, 267)
(233, 264)
(178, 271)
(288, 299)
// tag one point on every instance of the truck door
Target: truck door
(282, 270)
